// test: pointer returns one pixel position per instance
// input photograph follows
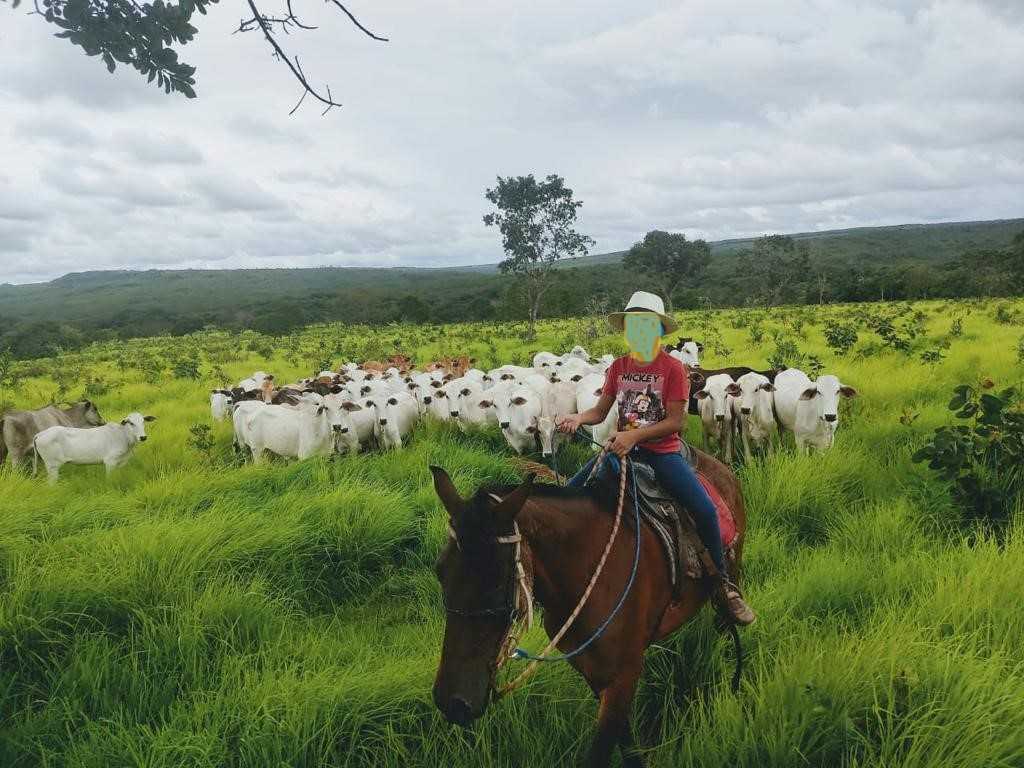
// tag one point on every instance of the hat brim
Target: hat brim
(618, 319)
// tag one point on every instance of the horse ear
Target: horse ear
(445, 489)
(506, 511)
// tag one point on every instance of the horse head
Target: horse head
(477, 572)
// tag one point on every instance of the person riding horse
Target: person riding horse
(651, 378)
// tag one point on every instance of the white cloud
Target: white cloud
(721, 118)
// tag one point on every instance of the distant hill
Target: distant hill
(80, 306)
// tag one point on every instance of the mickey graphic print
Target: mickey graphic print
(641, 391)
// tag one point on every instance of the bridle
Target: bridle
(520, 602)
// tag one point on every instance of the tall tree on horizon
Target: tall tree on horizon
(536, 221)
(667, 259)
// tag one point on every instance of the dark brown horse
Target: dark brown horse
(564, 532)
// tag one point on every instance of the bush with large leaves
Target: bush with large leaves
(983, 457)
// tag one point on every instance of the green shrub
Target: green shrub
(983, 457)
(840, 337)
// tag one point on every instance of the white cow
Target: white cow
(220, 404)
(395, 417)
(577, 353)
(688, 354)
(559, 400)
(543, 360)
(753, 410)
(346, 431)
(290, 432)
(517, 417)
(538, 382)
(809, 409)
(714, 402)
(588, 392)
(110, 445)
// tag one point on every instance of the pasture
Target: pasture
(192, 611)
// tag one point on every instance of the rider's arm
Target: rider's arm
(598, 412)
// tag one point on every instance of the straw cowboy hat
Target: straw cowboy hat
(642, 301)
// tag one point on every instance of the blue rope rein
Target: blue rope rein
(520, 653)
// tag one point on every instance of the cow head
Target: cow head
(91, 414)
(823, 397)
(135, 425)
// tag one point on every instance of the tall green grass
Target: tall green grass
(188, 611)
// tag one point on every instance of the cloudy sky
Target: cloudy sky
(719, 118)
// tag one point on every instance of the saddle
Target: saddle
(685, 553)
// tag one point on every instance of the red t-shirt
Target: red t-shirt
(641, 391)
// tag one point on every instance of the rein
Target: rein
(508, 647)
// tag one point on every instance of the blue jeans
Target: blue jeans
(678, 478)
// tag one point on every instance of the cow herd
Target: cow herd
(377, 404)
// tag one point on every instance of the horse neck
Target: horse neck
(554, 529)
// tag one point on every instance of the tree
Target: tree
(779, 267)
(668, 258)
(143, 35)
(536, 222)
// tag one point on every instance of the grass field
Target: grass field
(191, 612)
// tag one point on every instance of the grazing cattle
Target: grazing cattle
(698, 376)
(346, 430)
(559, 400)
(588, 392)
(17, 428)
(395, 416)
(577, 353)
(517, 417)
(716, 414)
(543, 360)
(402, 362)
(291, 433)
(809, 409)
(110, 444)
(753, 410)
(220, 404)
(688, 353)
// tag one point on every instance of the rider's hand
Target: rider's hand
(569, 423)
(621, 443)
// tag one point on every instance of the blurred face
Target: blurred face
(643, 335)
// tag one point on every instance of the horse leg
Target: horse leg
(613, 727)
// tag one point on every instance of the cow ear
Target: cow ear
(445, 489)
(734, 390)
(485, 403)
(149, 418)
(350, 406)
(507, 509)
(703, 394)
(809, 393)
(532, 429)
(87, 403)
(125, 422)
(577, 377)
(846, 391)
(767, 387)
(697, 378)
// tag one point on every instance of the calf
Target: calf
(810, 409)
(716, 414)
(753, 410)
(687, 352)
(347, 426)
(110, 445)
(517, 417)
(588, 392)
(18, 428)
(559, 400)
(698, 376)
(220, 404)
(395, 417)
